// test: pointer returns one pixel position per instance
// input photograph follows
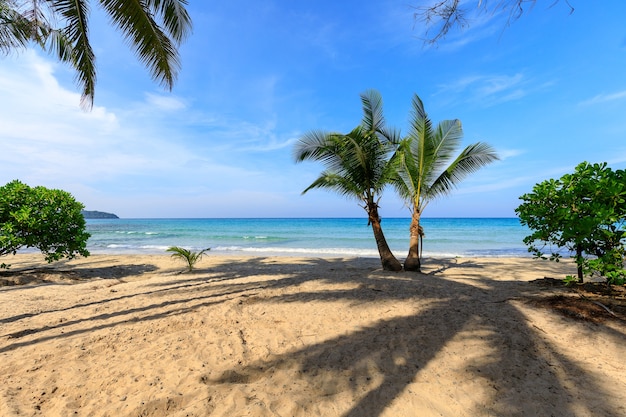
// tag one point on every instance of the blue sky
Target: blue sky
(548, 92)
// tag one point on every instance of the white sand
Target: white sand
(130, 336)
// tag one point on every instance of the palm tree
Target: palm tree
(426, 168)
(357, 165)
(153, 28)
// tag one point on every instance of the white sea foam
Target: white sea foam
(308, 237)
(155, 247)
(298, 251)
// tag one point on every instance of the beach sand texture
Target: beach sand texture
(266, 336)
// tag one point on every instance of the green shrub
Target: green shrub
(188, 256)
(37, 217)
(584, 212)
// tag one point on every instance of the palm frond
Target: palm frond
(176, 19)
(316, 145)
(373, 119)
(152, 46)
(190, 257)
(73, 45)
(472, 158)
(336, 182)
(425, 163)
(357, 164)
(21, 23)
(404, 178)
(390, 137)
(15, 29)
(59, 44)
(444, 143)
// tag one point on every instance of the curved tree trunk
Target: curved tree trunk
(389, 261)
(413, 261)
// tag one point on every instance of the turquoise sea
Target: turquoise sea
(326, 237)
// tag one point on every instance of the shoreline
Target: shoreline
(284, 336)
(306, 237)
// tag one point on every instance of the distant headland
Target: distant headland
(93, 214)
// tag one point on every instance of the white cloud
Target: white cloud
(487, 90)
(36, 107)
(604, 98)
(509, 153)
(166, 103)
(141, 153)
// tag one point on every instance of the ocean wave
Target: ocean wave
(299, 251)
(133, 232)
(302, 251)
(156, 247)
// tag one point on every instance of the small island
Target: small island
(93, 214)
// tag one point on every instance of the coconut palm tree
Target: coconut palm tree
(427, 169)
(153, 28)
(357, 165)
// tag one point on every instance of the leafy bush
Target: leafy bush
(584, 212)
(46, 219)
(188, 256)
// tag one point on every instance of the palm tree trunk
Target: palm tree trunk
(413, 261)
(389, 261)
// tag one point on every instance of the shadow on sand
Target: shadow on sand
(378, 362)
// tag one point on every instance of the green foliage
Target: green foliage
(570, 280)
(42, 218)
(153, 29)
(357, 165)
(583, 212)
(188, 256)
(428, 165)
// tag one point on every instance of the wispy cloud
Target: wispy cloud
(604, 98)
(486, 90)
(146, 148)
(166, 103)
(509, 153)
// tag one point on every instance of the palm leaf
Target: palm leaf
(175, 18)
(152, 46)
(15, 28)
(472, 158)
(426, 167)
(317, 145)
(72, 44)
(188, 256)
(373, 119)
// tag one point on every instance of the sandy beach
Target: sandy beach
(266, 336)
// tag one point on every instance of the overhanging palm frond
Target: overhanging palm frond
(15, 29)
(151, 44)
(155, 46)
(175, 18)
(60, 45)
(72, 45)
